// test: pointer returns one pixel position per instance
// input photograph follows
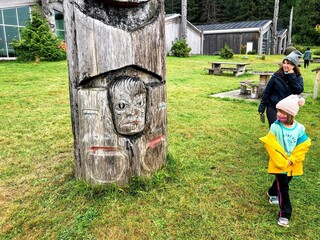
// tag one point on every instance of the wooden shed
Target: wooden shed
(173, 32)
(256, 35)
(281, 40)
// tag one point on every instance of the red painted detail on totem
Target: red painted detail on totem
(155, 141)
(105, 148)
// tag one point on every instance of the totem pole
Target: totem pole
(47, 9)
(116, 59)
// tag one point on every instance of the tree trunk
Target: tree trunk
(116, 59)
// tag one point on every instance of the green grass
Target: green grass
(213, 186)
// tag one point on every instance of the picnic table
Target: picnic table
(315, 60)
(264, 77)
(316, 83)
(256, 89)
(217, 68)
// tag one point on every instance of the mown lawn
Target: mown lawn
(213, 186)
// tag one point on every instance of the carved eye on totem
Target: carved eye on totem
(121, 105)
(139, 100)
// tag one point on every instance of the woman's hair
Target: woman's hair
(290, 118)
(296, 69)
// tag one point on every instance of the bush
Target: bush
(226, 52)
(180, 48)
(38, 42)
(301, 49)
(316, 52)
(253, 52)
(243, 49)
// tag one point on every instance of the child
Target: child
(307, 57)
(286, 144)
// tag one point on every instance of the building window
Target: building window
(58, 16)
(11, 20)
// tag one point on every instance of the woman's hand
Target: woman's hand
(290, 69)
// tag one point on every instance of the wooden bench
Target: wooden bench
(244, 85)
(228, 69)
(234, 70)
(315, 60)
(211, 70)
(238, 69)
(254, 88)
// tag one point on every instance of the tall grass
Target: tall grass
(213, 186)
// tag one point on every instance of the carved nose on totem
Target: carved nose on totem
(131, 110)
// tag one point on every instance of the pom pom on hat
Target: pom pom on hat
(291, 104)
(294, 57)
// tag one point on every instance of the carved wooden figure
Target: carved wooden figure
(116, 58)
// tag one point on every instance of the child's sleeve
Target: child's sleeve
(299, 152)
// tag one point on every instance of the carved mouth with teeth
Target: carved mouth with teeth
(124, 3)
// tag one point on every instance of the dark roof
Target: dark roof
(281, 32)
(233, 25)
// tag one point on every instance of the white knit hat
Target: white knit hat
(291, 104)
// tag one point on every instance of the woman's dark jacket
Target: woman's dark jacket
(279, 87)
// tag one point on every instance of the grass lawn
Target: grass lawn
(213, 187)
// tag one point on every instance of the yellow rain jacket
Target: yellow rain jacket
(278, 162)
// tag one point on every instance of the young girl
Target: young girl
(286, 144)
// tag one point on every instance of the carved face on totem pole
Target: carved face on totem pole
(128, 104)
(123, 14)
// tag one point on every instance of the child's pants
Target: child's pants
(306, 63)
(280, 188)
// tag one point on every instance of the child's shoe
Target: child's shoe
(283, 222)
(273, 199)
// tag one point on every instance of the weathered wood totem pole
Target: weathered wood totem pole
(116, 58)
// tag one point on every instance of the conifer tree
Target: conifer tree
(37, 41)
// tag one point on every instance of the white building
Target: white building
(14, 14)
(173, 32)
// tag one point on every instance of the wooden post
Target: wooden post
(183, 19)
(274, 28)
(116, 60)
(290, 26)
(316, 83)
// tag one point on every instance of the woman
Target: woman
(286, 81)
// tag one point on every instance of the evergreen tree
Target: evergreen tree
(37, 41)
(230, 9)
(305, 19)
(305, 16)
(172, 6)
(211, 11)
(265, 9)
(194, 12)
